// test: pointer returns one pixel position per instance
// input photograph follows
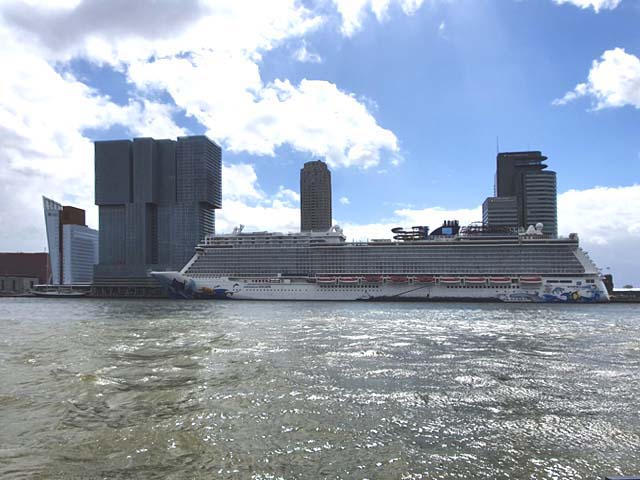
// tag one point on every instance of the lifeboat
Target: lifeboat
(530, 280)
(449, 280)
(475, 280)
(398, 279)
(421, 279)
(373, 279)
(325, 280)
(348, 280)
(500, 280)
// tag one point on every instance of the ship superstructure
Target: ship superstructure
(452, 263)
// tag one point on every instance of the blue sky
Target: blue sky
(403, 98)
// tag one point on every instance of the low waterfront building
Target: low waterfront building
(20, 272)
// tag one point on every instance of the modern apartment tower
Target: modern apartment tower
(315, 197)
(157, 200)
(73, 247)
(525, 191)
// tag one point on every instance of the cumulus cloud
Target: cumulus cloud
(119, 32)
(613, 81)
(608, 222)
(245, 203)
(303, 54)
(207, 53)
(44, 113)
(240, 181)
(344, 200)
(432, 217)
(597, 5)
(249, 116)
(64, 29)
(211, 70)
(353, 12)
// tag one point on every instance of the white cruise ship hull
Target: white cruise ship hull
(578, 289)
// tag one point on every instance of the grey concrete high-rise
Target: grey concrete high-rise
(315, 197)
(157, 201)
(523, 177)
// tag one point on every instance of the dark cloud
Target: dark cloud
(62, 29)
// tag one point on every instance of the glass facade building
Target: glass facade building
(73, 247)
(157, 201)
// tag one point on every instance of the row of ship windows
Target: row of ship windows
(399, 264)
(394, 259)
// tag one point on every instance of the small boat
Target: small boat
(326, 280)
(449, 280)
(373, 279)
(531, 280)
(348, 280)
(475, 280)
(422, 279)
(59, 294)
(398, 279)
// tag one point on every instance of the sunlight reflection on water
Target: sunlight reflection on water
(161, 389)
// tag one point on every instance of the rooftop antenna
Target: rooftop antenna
(497, 145)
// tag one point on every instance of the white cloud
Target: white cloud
(207, 61)
(601, 214)
(288, 197)
(302, 54)
(442, 30)
(44, 113)
(248, 116)
(613, 81)
(597, 5)
(261, 217)
(344, 200)
(608, 222)
(353, 12)
(240, 181)
(120, 32)
(208, 53)
(409, 217)
(244, 202)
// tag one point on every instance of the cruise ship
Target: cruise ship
(471, 263)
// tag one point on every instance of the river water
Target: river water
(264, 390)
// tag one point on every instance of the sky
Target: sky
(408, 102)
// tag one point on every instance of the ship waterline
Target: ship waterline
(519, 267)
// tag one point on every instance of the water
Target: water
(161, 389)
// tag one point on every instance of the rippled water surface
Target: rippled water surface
(141, 389)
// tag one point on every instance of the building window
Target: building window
(2, 284)
(14, 286)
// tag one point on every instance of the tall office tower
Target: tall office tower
(73, 247)
(156, 202)
(523, 176)
(315, 197)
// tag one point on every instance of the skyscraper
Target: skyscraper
(156, 202)
(315, 197)
(73, 247)
(528, 192)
